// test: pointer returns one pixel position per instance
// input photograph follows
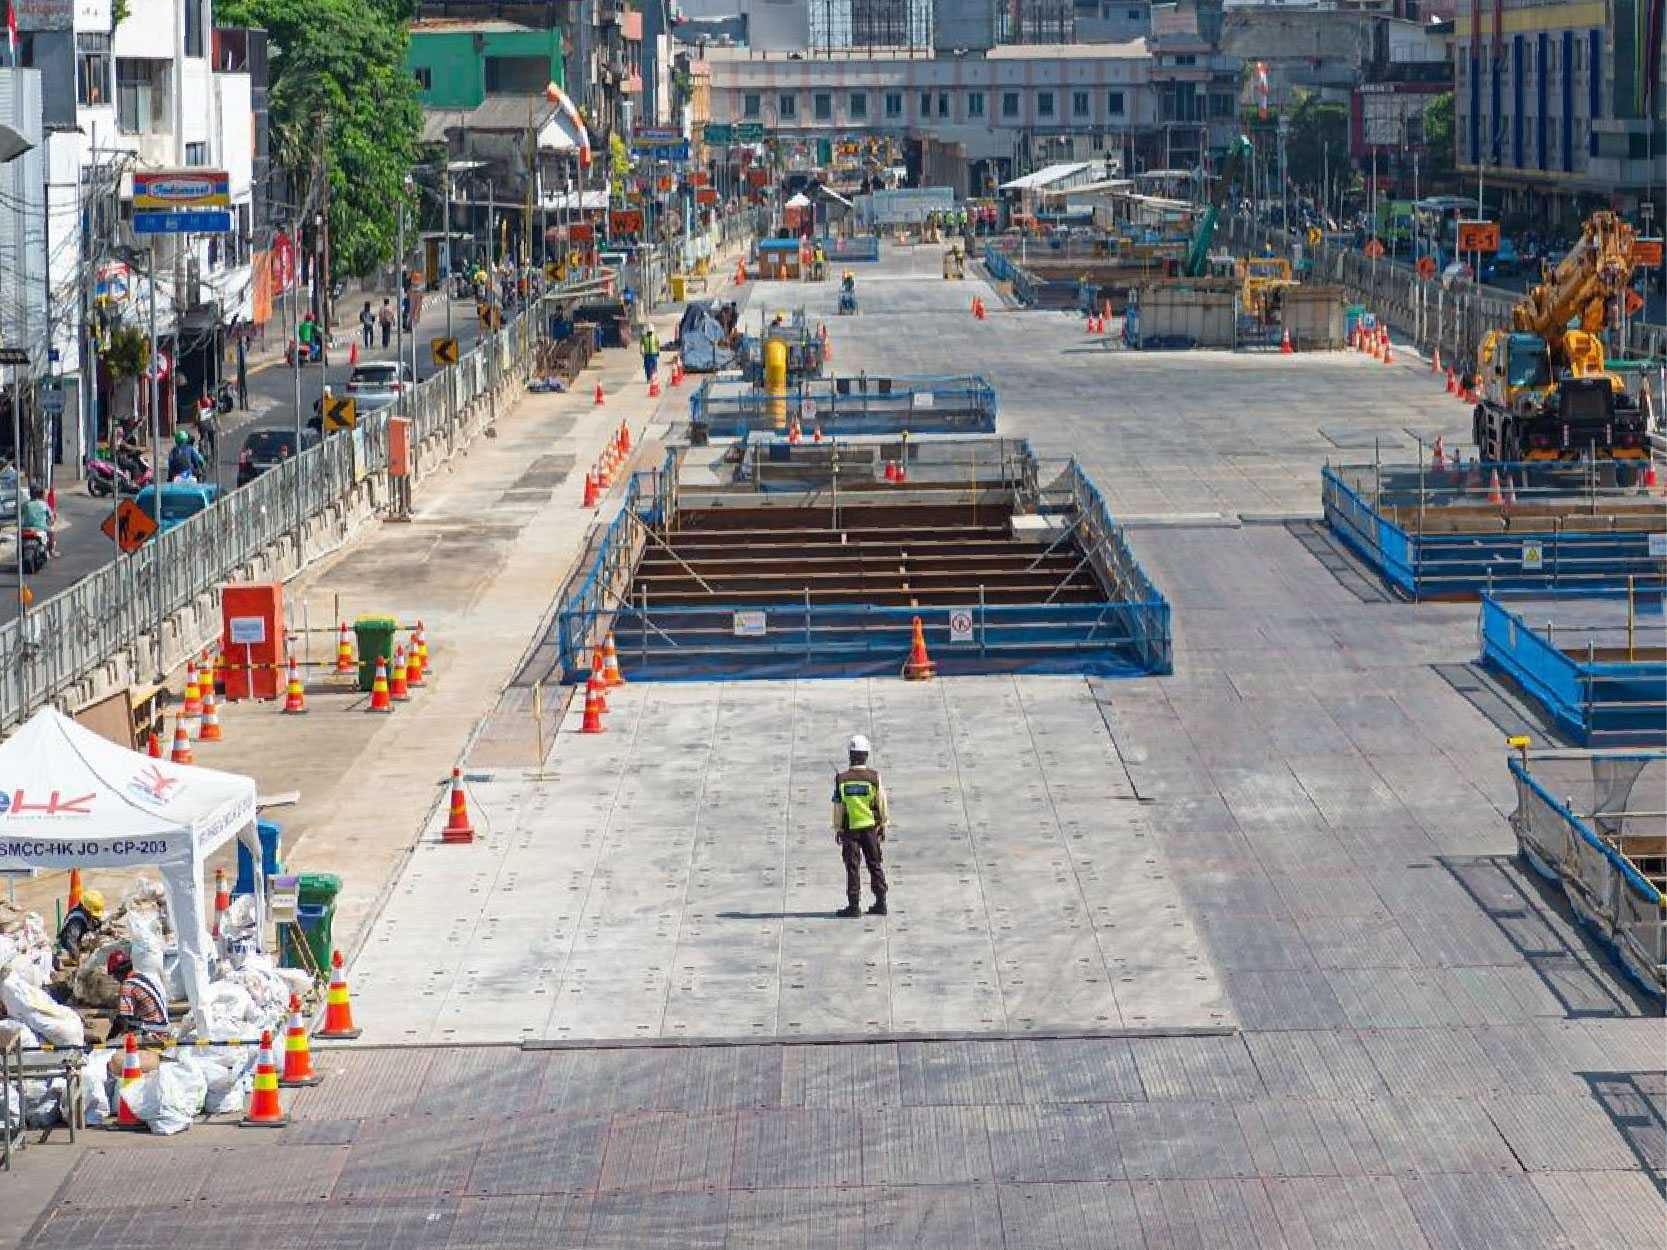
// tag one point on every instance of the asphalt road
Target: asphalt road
(82, 548)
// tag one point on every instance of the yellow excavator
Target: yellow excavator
(1546, 393)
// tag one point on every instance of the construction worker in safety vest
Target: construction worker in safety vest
(650, 344)
(859, 821)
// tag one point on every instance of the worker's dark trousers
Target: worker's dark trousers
(857, 846)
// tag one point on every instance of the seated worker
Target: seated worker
(848, 283)
(143, 1006)
(84, 918)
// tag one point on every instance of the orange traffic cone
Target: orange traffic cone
(816, 434)
(611, 676)
(182, 744)
(1511, 491)
(654, 387)
(593, 708)
(353, 353)
(298, 1055)
(295, 697)
(421, 644)
(153, 746)
(74, 889)
(222, 900)
(344, 651)
(974, 306)
(458, 828)
(589, 501)
(415, 667)
(399, 689)
(1494, 497)
(902, 469)
(1649, 481)
(208, 729)
(795, 431)
(1285, 348)
(264, 1109)
(192, 705)
(1452, 381)
(1388, 356)
(338, 1005)
(125, 1116)
(740, 272)
(919, 666)
(624, 436)
(596, 666)
(380, 701)
(1435, 360)
(891, 470)
(598, 395)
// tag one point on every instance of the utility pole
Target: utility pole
(158, 473)
(322, 276)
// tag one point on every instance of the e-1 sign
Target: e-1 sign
(247, 631)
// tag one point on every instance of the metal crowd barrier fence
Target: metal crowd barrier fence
(67, 637)
(1443, 534)
(1603, 841)
(1580, 658)
(581, 621)
(1132, 590)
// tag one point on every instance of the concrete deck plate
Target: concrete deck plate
(675, 877)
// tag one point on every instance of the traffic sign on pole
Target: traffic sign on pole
(192, 221)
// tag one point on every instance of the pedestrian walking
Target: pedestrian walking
(650, 344)
(367, 324)
(859, 821)
(386, 317)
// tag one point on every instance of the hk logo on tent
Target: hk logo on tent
(16, 803)
(153, 787)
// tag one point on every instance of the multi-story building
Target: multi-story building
(1009, 108)
(1560, 106)
(144, 95)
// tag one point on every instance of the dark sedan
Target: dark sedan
(266, 449)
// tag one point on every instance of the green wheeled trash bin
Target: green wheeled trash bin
(316, 917)
(374, 636)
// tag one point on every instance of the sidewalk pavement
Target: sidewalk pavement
(491, 542)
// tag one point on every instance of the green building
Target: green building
(459, 63)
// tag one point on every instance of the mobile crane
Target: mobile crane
(1546, 393)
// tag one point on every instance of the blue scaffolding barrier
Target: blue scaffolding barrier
(845, 406)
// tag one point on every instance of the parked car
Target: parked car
(375, 376)
(180, 501)
(266, 449)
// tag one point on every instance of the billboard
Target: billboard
(181, 188)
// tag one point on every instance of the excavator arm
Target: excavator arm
(1198, 258)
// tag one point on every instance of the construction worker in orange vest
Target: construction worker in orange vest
(859, 821)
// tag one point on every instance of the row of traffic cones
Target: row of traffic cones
(264, 1109)
(1372, 341)
(897, 472)
(604, 676)
(796, 432)
(600, 479)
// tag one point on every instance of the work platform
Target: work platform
(845, 406)
(814, 560)
(1454, 532)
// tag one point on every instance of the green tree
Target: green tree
(342, 64)
(1439, 137)
(1318, 141)
(619, 166)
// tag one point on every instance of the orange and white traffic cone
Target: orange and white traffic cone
(1511, 490)
(126, 1117)
(298, 1055)
(611, 676)
(264, 1108)
(589, 501)
(593, 707)
(1452, 381)
(1388, 356)
(295, 696)
(1649, 480)
(919, 665)
(208, 729)
(415, 666)
(344, 651)
(1285, 348)
(1435, 360)
(338, 1005)
(222, 900)
(605, 472)
(596, 666)
(399, 688)
(597, 397)
(353, 353)
(74, 890)
(1494, 497)
(458, 828)
(1438, 458)
(422, 650)
(380, 700)
(654, 387)
(191, 706)
(153, 746)
(181, 753)
(624, 436)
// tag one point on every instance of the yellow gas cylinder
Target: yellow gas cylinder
(775, 380)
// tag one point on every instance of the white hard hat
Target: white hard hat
(858, 745)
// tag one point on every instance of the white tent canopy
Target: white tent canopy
(72, 799)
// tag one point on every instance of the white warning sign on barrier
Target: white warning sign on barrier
(1658, 546)
(1533, 555)
(749, 624)
(960, 625)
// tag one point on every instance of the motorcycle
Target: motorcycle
(125, 475)
(225, 397)
(35, 550)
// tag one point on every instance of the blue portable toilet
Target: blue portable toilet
(271, 857)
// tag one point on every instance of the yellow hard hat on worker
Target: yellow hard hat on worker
(92, 902)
